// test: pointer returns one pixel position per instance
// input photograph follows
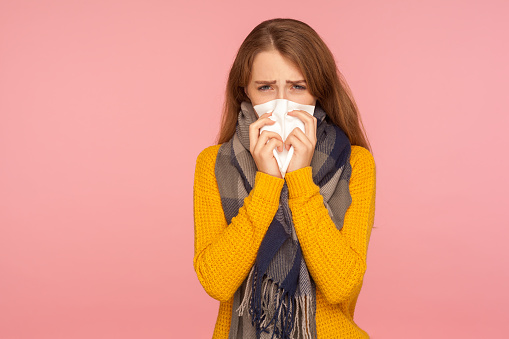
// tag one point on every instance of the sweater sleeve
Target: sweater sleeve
(224, 254)
(335, 258)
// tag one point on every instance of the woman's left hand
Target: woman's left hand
(303, 143)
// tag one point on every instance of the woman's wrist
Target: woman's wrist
(300, 183)
(268, 186)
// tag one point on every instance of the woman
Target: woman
(285, 251)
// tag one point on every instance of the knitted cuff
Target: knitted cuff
(268, 187)
(300, 183)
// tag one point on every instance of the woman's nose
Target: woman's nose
(281, 94)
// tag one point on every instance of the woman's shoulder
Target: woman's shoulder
(204, 174)
(208, 155)
(209, 151)
(361, 158)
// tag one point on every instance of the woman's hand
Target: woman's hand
(262, 151)
(303, 143)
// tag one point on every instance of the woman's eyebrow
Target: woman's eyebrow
(274, 81)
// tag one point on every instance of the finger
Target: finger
(263, 121)
(304, 137)
(265, 149)
(297, 132)
(298, 140)
(254, 129)
(303, 115)
(264, 136)
(292, 140)
(258, 124)
(273, 143)
(309, 121)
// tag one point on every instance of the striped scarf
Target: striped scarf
(278, 298)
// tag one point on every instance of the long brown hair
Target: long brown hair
(299, 43)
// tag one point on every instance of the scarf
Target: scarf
(278, 297)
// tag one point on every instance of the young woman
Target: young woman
(285, 251)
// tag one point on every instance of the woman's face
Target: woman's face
(275, 77)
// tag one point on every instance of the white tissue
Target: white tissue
(284, 125)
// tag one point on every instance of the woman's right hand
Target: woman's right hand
(261, 150)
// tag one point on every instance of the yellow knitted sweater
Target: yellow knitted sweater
(336, 260)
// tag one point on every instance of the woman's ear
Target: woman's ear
(245, 91)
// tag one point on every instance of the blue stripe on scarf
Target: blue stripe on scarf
(339, 155)
(275, 237)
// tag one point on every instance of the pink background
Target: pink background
(105, 105)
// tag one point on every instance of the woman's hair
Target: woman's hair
(299, 43)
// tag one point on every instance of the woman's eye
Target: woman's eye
(299, 87)
(264, 88)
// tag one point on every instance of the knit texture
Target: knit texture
(224, 253)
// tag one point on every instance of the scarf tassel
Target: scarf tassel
(275, 307)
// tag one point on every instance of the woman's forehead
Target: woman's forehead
(271, 65)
